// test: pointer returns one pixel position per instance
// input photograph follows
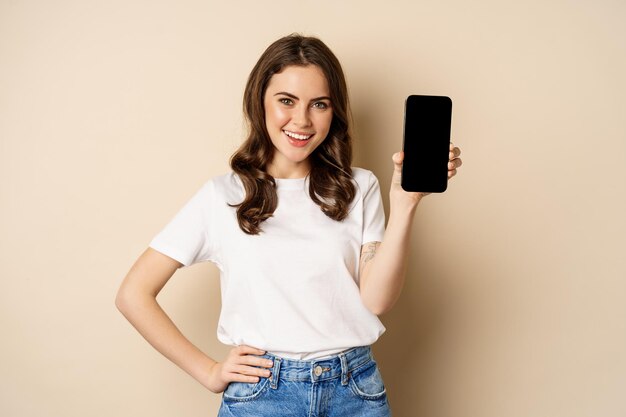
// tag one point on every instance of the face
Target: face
(298, 114)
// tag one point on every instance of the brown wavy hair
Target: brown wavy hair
(330, 178)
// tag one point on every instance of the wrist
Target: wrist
(206, 371)
(404, 206)
(402, 215)
(214, 381)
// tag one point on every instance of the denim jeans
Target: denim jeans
(347, 384)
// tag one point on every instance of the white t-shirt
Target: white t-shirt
(293, 289)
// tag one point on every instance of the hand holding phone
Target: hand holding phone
(426, 146)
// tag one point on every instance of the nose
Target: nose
(301, 117)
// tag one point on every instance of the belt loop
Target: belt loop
(344, 369)
(275, 373)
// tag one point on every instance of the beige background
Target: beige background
(113, 113)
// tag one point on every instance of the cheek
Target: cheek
(276, 116)
(324, 122)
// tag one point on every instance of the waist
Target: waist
(321, 369)
(307, 356)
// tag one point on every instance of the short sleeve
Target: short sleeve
(186, 237)
(373, 212)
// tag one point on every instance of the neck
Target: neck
(289, 171)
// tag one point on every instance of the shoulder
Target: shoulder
(225, 187)
(366, 182)
(364, 177)
(228, 180)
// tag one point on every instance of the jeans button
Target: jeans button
(317, 370)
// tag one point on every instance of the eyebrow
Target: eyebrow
(295, 97)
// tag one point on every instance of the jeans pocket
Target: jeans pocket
(244, 391)
(367, 383)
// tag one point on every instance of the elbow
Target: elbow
(122, 301)
(377, 308)
(380, 310)
(378, 304)
(131, 299)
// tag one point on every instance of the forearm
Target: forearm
(147, 316)
(382, 277)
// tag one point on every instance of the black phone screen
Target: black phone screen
(426, 143)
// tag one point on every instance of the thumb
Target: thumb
(397, 159)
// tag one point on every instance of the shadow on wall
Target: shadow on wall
(415, 325)
(409, 344)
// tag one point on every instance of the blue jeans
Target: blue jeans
(347, 384)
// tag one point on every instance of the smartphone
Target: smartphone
(426, 145)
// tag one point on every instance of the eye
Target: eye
(286, 101)
(320, 105)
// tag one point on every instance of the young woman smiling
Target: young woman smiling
(299, 236)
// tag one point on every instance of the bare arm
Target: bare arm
(136, 300)
(383, 265)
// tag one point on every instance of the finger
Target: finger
(249, 350)
(243, 378)
(251, 371)
(255, 361)
(230, 369)
(455, 163)
(250, 359)
(397, 158)
(454, 153)
(451, 173)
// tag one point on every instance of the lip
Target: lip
(298, 133)
(298, 143)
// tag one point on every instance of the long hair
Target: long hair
(330, 178)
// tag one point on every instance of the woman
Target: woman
(298, 235)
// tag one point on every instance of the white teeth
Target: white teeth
(296, 136)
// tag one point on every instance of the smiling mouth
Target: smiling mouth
(297, 136)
